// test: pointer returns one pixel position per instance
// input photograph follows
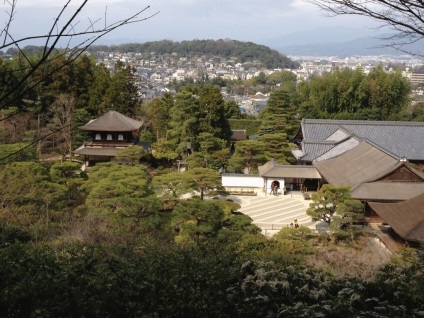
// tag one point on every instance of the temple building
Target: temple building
(110, 133)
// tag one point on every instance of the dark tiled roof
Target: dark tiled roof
(406, 218)
(274, 170)
(405, 139)
(313, 149)
(113, 121)
(339, 149)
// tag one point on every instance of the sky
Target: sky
(257, 21)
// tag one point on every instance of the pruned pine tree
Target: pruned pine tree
(249, 154)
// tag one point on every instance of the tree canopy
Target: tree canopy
(331, 200)
(243, 51)
(351, 94)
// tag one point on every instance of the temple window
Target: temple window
(109, 137)
(98, 137)
(120, 137)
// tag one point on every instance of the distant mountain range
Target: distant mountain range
(360, 46)
(337, 41)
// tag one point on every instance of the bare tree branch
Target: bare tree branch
(404, 17)
(5, 31)
(83, 36)
(52, 38)
(35, 141)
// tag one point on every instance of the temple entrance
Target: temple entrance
(275, 185)
(310, 185)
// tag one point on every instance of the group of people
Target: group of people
(295, 225)
(275, 185)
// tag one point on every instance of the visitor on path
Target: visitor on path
(275, 185)
(296, 225)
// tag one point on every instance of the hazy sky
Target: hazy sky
(245, 20)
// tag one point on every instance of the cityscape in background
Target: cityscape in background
(155, 72)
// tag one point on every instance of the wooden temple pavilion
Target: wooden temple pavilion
(110, 133)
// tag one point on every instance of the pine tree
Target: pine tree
(213, 113)
(279, 114)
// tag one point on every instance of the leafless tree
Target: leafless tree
(61, 120)
(66, 28)
(405, 18)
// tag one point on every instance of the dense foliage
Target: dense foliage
(205, 280)
(121, 244)
(351, 94)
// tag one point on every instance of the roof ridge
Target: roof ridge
(362, 122)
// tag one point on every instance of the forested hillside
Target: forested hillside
(242, 51)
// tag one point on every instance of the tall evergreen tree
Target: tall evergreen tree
(279, 114)
(99, 101)
(184, 124)
(156, 113)
(277, 147)
(213, 113)
(123, 93)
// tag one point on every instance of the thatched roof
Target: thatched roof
(388, 191)
(364, 168)
(406, 218)
(361, 164)
(113, 121)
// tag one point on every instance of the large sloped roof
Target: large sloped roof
(387, 191)
(113, 121)
(406, 218)
(363, 163)
(274, 170)
(403, 139)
